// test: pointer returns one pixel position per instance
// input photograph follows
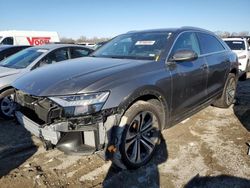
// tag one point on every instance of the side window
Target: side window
(186, 41)
(55, 56)
(209, 43)
(79, 52)
(8, 40)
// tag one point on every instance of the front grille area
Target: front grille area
(39, 109)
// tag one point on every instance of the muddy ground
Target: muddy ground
(207, 150)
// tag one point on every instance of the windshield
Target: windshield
(236, 45)
(148, 46)
(23, 58)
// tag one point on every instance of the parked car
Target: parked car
(100, 44)
(8, 50)
(87, 44)
(241, 47)
(33, 38)
(28, 60)
(118, 100)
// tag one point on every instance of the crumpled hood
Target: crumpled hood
(4, 71)
(72, 76)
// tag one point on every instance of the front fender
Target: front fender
(143, 93)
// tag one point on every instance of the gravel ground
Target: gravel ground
(207, 150)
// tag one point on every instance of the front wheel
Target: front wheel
(141, 134)
(229, 92)
(7, 106)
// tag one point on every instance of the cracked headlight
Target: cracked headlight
(82, 104)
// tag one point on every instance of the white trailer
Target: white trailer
(33, 38)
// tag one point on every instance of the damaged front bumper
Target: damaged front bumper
(83, 135)
(85, 140)
(48, 133)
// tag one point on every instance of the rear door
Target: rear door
(188, 77)
(55, 56)
(217, 59)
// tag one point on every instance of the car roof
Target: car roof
(4, 47)
(172, 30)
(55, 46)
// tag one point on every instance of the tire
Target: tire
(141, 134)
(227, 98)
(7, 106)
(243, 77)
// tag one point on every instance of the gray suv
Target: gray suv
(117, 101)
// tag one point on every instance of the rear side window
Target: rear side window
(8, 40)
(236, 44)
(209, 43)
(54, 56)
(79, 52)
(186, 41)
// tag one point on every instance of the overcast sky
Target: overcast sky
(107, 18)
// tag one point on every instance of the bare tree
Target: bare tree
(67, 40)
(224, 34)
(244, 33)
(81, 39)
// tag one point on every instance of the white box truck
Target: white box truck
(32, 38)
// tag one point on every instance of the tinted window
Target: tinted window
(186, 41)
(79, 52)
(9, 52)
(209, 43)
(23, 58)
(236, 45)
(8, 40)
(55, 56)
(13, 50)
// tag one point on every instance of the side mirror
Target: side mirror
(184, 55)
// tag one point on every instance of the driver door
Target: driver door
(189, 78)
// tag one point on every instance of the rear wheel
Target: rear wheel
(141, 134)
(229, 92)
(7, 106)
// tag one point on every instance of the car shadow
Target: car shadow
(222, 181)
(16, 146)
(147, 175)
(242, 104)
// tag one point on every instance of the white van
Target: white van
(241, 47)
(33, 38)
